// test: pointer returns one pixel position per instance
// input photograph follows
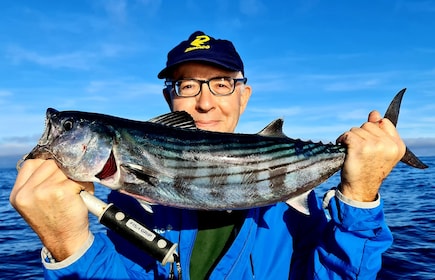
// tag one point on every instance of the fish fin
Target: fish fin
(412, 160)
(274, 129)
(393, 110)
(392, 114)
(146, 205)
(300, 203)
(178, 119)
(146, 174)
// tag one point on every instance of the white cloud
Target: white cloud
(421, 146)
(12, 149)
(275, 112)
(85, 59)
(349, 85)
(4, 93)
(74, 60)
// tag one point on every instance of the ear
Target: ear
(244, 97)
(168, 98)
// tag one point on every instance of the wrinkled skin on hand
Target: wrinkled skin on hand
(50, 203)
(372, 152)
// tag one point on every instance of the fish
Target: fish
(167, 160)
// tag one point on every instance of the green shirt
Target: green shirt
(216, 232)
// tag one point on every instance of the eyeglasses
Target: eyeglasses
(220, 86)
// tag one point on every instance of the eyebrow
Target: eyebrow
(222, 74)
(216, 77)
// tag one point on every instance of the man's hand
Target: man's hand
(50, 203)
(372, 152)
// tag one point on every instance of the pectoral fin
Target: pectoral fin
(148, 175)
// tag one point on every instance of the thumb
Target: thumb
(374, 116)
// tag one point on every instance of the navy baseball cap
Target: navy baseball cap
(203, 48)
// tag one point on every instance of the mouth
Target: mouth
(206, 124)
(109, 168)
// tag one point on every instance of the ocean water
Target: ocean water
(409, 196)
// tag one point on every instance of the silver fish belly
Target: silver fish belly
(168, 161)
(232, 172)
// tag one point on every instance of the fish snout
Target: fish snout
(39, 152)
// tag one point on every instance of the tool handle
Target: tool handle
(114, 218)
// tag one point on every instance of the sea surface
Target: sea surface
(408, 193)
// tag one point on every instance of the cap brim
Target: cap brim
(167, 70)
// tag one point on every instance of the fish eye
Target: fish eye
(68, 124)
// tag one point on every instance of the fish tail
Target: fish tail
(392, 114)
(412, 160)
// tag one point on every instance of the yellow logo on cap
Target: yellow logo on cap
(198, 43)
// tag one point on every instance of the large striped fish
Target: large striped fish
(168, 161)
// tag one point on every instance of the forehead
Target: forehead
(200, 70)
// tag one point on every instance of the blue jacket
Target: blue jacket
(274, 242)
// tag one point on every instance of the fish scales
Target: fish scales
(226, 167)
(273, 157)
(225, 164)
(168, 161)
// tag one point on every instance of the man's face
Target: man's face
(210, 112)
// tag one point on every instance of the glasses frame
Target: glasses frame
(172, 85)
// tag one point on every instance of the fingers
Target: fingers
(27, 169)
(377, 136)
(374, 116)
(35, 171)
(50, 203)
(372, 151)
(376, 126)
(383, 123)
(363, 132)
(28, 173)
(43, 178)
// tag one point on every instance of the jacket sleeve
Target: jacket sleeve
(346, 243)
(97, 259)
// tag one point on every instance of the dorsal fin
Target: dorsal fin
(179, 119)
(274, 129)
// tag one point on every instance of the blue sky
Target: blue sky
(320, 65)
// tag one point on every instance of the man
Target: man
(205, 77)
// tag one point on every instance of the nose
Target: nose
(205, 100)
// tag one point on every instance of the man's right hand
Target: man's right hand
(51, 204)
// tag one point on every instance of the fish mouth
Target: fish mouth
(109, 168)
(39, 151)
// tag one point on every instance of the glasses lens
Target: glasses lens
(218, 86)
(187, 87)
(222, 86)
